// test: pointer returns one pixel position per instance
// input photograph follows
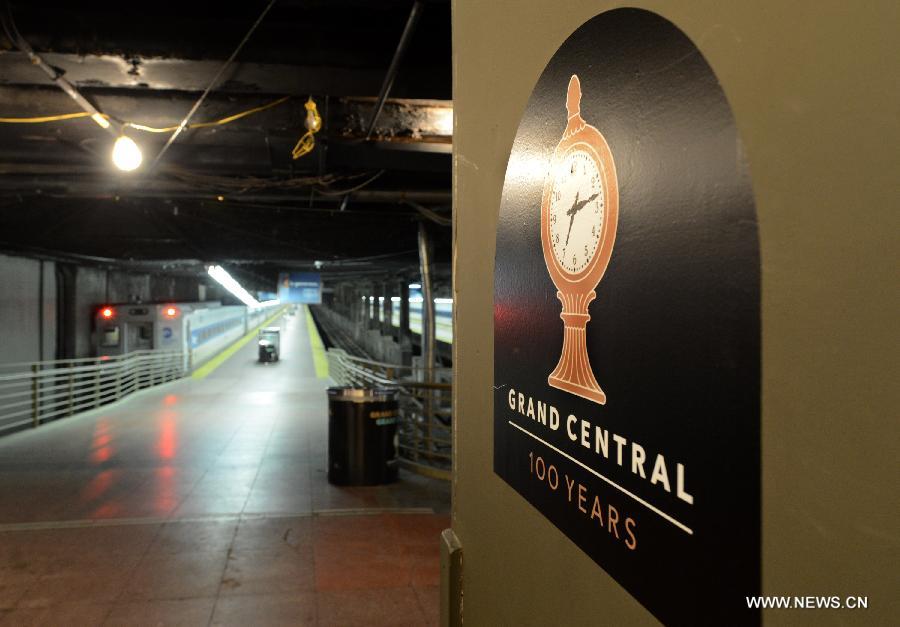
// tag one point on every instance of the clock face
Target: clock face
(577, 211)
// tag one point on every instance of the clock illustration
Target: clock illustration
(579, 216)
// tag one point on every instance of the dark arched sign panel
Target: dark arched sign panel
(627, 319)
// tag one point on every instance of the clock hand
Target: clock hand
(571, 213)
(577, 206)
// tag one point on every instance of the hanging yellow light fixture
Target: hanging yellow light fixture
(313, 124)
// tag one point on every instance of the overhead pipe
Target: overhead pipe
(414, 15)
(428, 326)
(426, 270)
(56, 76)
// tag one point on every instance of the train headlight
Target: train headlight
(107, 312)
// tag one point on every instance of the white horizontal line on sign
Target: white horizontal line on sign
(652, 508)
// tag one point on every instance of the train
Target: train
(443, 317)
(199, 330)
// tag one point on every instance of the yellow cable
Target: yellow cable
(47, 118)
(141, 127)
(304, 146)
(230, 118)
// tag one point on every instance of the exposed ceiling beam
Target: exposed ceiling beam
(50, 182)
(110, 71)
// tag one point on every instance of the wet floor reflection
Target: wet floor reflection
(101, 443)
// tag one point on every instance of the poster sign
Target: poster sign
(627, 320)
(300, 287)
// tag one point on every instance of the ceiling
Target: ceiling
(230, 193)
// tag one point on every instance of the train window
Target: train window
(146, 332)
(110, 336)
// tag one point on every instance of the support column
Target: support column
(403, 334)
(375, 292)
(387, 328)
(425, 254)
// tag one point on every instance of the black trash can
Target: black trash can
(362, 436)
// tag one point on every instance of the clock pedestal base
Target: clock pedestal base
(573, 373)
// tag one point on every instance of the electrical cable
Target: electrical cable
(356, 188)
(242, 184)
(431, 215)
(221, 122)
(47, 118)
(12, 31)
(142, 127)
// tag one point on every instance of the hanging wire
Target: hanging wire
(209, 87)
(47, 118)
(341, 192)
(221, 122)
(142, 127)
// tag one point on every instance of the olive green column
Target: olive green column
(814, 91)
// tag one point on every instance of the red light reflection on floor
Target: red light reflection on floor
(165, 496)
(97, 486)
(101, 443)
(108, 510)
(167, 443)
(170, 399)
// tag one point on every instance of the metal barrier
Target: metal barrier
(425, 425)
(38, 392)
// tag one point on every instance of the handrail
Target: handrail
(382, 364)
(47, 390)
(105, 358)
(425, 424)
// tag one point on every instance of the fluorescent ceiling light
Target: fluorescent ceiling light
(226, 281)
(415, 286)
(443, 301)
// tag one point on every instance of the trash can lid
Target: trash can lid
(362, 395)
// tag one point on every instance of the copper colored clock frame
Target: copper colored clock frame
(574, 373)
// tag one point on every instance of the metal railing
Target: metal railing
(426, 416)
(34, 393)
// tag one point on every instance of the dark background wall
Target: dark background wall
(27, 309)
(52, 318)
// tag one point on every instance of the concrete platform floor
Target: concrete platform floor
(205, 502)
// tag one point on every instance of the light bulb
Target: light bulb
(313, 121)
(126, 155)
(443, 121)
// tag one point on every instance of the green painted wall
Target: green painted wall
(814, 88)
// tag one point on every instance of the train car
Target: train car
(198, 330)
(443, 316)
